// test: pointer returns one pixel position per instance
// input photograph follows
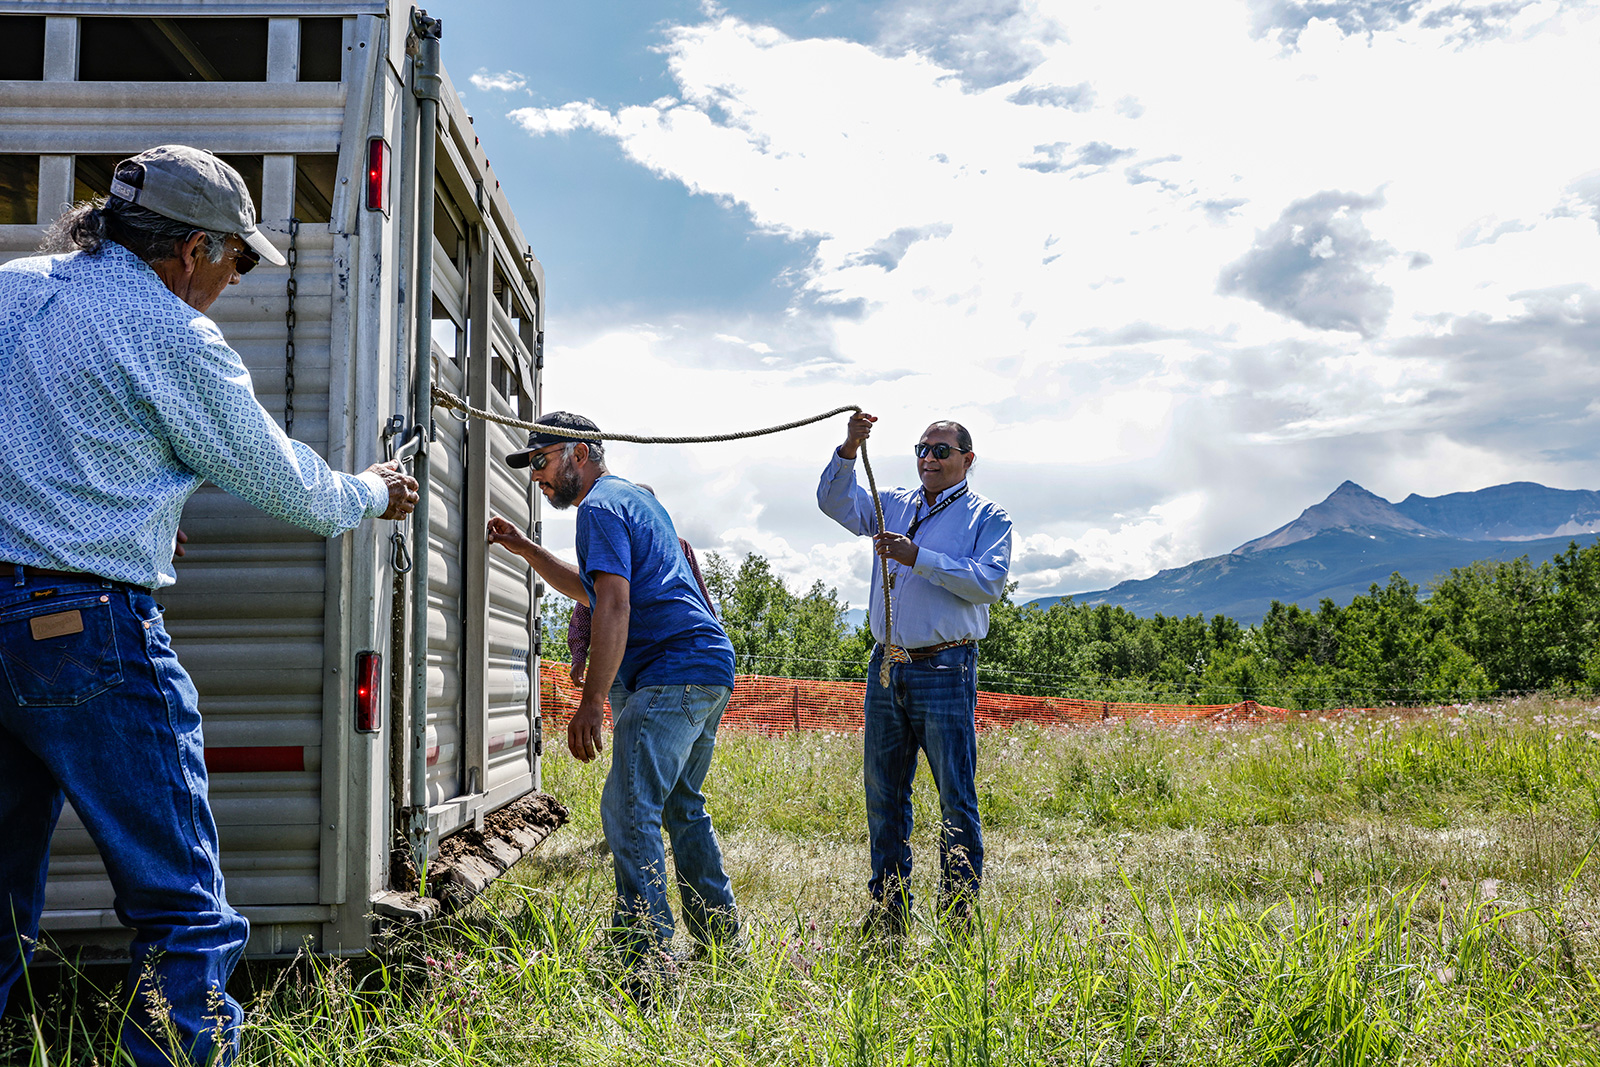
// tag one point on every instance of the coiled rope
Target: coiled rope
(444, 398)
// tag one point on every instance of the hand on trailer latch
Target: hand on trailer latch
(412, 443)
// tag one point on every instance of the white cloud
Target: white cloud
(1032, 245)
(1102, 556)
(540, 121)
(507, 81)
(758, 347)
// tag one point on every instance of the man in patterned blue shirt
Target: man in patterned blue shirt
(120, 399)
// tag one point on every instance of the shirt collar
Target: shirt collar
(112, 256)
(922, 498)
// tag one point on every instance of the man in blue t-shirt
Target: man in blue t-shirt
(667, 666)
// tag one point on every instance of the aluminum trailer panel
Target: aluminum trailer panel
(268, 618)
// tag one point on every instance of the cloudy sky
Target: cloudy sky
(1181, 267)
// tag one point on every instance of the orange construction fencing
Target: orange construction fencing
(778, 705)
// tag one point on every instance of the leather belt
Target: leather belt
(932, 650)
(9, 570)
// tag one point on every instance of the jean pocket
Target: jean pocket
(60, 654)
(699, 701)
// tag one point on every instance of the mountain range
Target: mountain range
(1338, 548)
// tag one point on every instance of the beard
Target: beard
(565, 487)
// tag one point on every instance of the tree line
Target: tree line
(1482, 630)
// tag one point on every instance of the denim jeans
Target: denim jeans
(94, 706)
(661, 745)
(929, 705)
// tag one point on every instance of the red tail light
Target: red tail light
(369, 692)
(378, 175)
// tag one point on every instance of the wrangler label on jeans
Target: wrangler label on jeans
(58, 625)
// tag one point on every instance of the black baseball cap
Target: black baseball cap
(538, 439)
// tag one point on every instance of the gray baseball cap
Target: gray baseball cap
(193, 186)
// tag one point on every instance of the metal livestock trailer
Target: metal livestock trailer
(339, 755)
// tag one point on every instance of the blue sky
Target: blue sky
(1181, 268)
(611, 235)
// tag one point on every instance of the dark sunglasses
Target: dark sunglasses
(940, 451)
(245, 260)
(538, 461)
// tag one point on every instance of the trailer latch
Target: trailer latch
(412, 442)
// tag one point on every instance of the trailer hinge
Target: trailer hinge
(538, 533)
(538, 351)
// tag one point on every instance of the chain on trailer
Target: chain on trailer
(290, 288)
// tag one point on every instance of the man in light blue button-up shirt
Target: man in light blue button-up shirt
(119, 397)
(949, 551)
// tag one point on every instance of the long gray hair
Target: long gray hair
(88, 224)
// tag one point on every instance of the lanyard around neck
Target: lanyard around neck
(916, 523)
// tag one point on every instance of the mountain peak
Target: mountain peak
(1367, 539)
(1349, 508)
(1516, 511)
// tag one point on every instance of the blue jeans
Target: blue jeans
(661, 745)
(94, 706)
(929, 705)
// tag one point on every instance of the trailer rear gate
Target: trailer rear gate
(266, 617)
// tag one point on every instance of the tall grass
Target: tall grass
(1339, 891)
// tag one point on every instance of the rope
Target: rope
(444, 398)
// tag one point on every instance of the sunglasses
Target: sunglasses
(245, 260)
(940, 451)
(540, 460)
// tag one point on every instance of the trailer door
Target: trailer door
(482, 715)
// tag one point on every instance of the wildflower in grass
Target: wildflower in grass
(217, 1015)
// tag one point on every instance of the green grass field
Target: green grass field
(1367, 889)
